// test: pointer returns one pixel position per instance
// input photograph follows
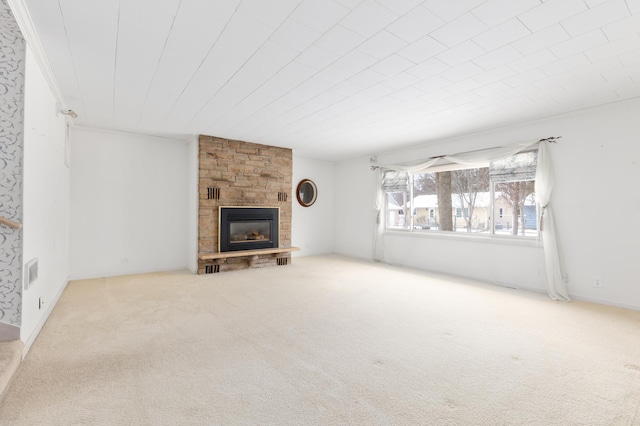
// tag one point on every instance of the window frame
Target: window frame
(409, 226)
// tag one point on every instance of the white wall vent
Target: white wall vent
(30, 273)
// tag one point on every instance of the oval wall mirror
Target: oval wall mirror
(307, 192)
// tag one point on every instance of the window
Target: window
(495, 200)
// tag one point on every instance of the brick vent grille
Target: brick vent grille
(283, 261)
(213, 193)
(283, 196)
(211, 269)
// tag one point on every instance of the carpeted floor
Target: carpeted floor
(325, 341)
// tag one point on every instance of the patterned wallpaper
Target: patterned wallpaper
(12, 58)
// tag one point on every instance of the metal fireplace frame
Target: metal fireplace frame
(228, 214)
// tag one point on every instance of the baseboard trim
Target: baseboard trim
(43, 320)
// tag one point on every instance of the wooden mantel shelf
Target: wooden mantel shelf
(246, 253)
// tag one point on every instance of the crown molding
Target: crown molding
(23, 18)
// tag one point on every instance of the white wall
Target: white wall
(355, 213)
(192, 209)
(129, 203)
(46, 200)
(312, 227)
(596, 201)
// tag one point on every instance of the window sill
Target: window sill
(452, 236)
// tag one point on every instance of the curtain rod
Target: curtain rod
(550, 139)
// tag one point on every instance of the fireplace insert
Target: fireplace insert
(248, 228)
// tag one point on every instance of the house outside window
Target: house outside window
(495, 200)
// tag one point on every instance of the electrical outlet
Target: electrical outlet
(124, 261)
(597, 282)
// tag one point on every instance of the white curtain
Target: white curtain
(378, 248)
(544, 186)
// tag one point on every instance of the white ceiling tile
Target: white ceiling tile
(333, 75)
(634, 6)
(422, 49)
(433, 83)
(319, 15)
(392, 65)
(462, 53)
(400, 7)
(625, 73)
(339, 40)
(275, 53)
(629, 92)
(368, 18)
(566, 64)
(525, 78)
(535, 60)
(579, 44)
(295, 35)
(377, 91)
(317, 58)
(585, 84)
(272, 13)
(493, 89)
(622, 28)
(195, 95)
(428, 68)
(520, 91)
(463, 98)
(367, 78)
(382, 45)
(433, 97)
(630, 58)
(139, 51)
(220, 10)
(296, 71)
(498, 57)
(463, 86)
(597, 68)
(560, 79)
(592, 99)
(349, 4)
(355, 61)
(550, 13)
(495, 12)
(169, 7)
(593, 3)
(501, 35)
(401, 81)
(465, 27)
(245, 30)
(542, 39)
(347, 88)
(407, 93)
(615, 48)
(495, 74)
(466, 70)
(415, 25)
(450, 10)
(605, 13)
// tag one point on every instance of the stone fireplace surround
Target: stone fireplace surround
(241, 174)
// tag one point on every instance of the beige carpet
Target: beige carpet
(325, 341)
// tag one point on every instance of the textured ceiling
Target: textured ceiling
(333, 79)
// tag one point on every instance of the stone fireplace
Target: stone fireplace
(247, 179)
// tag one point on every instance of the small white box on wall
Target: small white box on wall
(30, 273)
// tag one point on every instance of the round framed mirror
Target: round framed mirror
(307, 192)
